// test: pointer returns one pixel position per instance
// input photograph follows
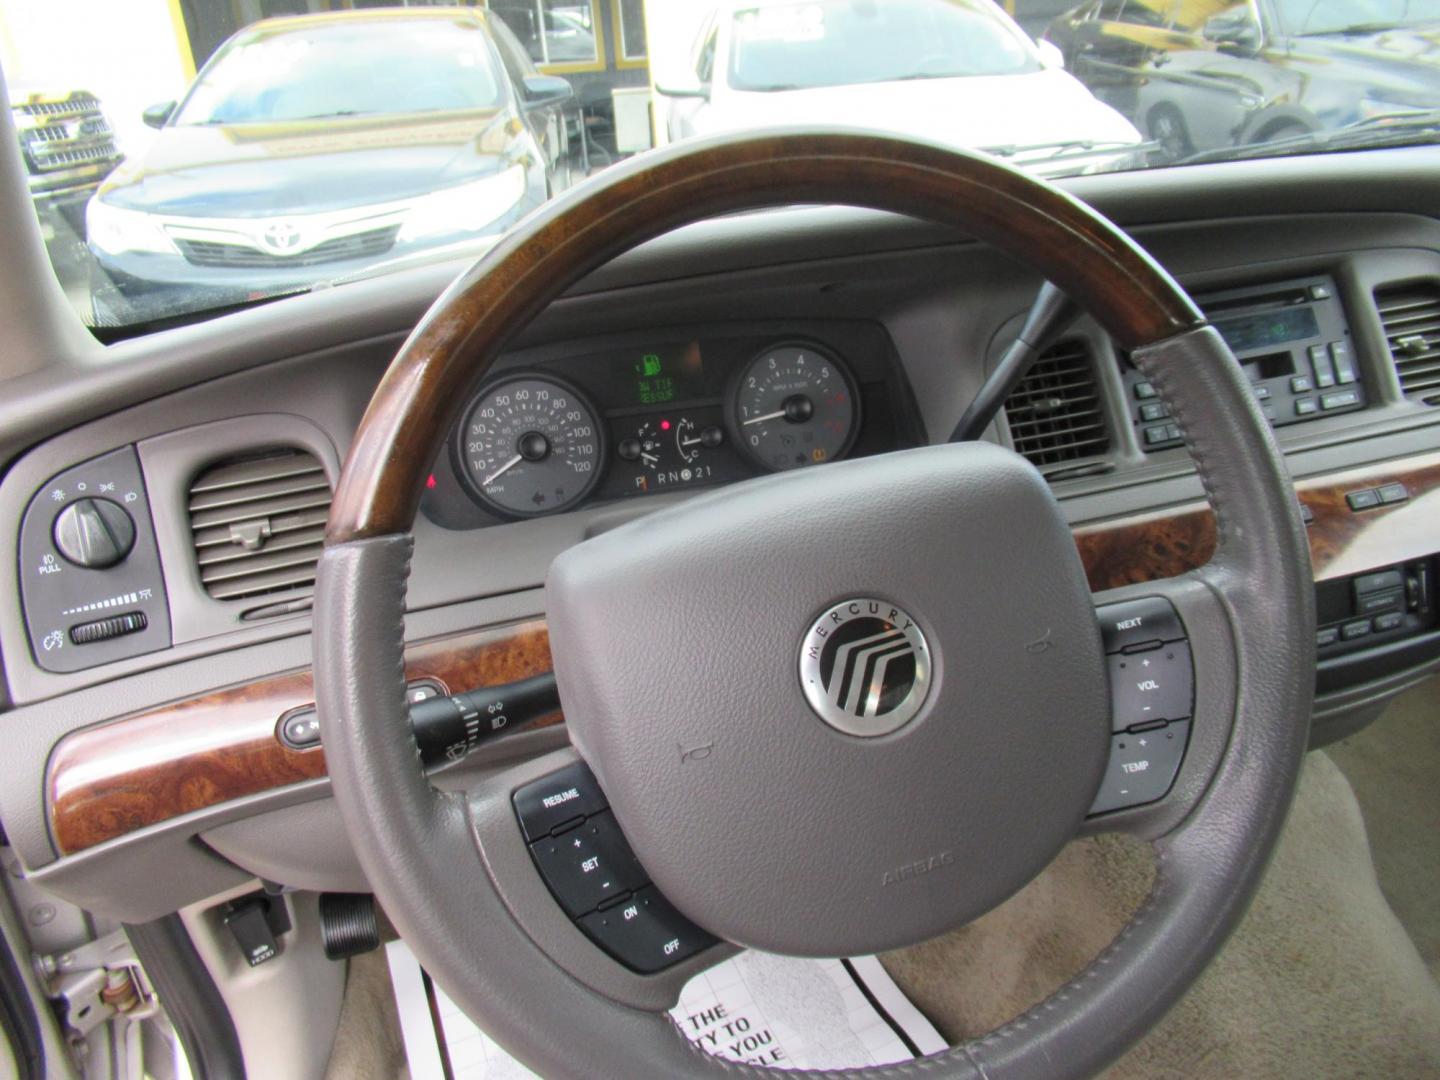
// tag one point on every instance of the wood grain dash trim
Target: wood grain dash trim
(110, 780)
(1161, 544)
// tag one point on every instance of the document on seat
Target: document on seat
(755, 1007)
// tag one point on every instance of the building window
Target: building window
(553, 31)
(631, 21)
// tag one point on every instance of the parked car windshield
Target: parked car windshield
(834, 42)
(1355, 16)
(186, 158)
(310, 73)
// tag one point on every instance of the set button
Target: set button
(589, 864)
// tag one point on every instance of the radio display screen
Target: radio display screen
(1272, 328)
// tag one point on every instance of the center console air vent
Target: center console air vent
(259, 523)
(1411, 317)
(1055, 413)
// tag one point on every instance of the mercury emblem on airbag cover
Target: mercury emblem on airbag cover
(865, 667)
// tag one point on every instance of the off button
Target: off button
(645, 933)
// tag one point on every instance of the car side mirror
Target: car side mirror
(1234, 33)
(693, 91)
(538, 91)
(156, 115)
(1050, 55)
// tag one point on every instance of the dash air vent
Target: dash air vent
(1411, 317)
(1055, 413)
(259, 523)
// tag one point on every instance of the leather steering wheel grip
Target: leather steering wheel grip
(415, 844)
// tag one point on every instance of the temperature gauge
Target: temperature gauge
(691, 439)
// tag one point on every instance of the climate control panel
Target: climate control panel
(89, 567)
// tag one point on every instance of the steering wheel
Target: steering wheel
(680, 643)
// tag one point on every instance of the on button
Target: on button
(646, 933)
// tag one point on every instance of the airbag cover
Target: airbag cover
(677, 642)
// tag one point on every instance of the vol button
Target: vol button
(1154, 685)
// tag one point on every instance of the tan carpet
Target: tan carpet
(1394, 767)
(368, 1044)
(1320, 980)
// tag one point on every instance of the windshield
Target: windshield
(345, 70)
(805, 45)
(186, 158)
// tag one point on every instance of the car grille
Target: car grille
(364, 245)
(72, 133)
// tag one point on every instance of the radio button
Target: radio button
(1344, 362)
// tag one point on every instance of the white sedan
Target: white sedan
(955, 71)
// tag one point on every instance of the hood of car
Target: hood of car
(1047, 106)
(254, 170)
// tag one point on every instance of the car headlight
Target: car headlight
(116, 230)
(467, 207)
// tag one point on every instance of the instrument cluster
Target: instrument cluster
(557, 428)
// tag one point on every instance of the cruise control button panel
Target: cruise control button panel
(587, 864)
(1152, 694)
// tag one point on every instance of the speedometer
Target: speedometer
(795, 406)
(530, 445)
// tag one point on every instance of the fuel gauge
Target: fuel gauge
(645, 446)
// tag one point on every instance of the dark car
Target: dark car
(1202, 74)
(310, 148)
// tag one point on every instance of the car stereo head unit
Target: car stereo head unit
(1292, 340)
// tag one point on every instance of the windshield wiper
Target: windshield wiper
(1398, 128)
(1357, 28)
(1065, 149)
(334, 115)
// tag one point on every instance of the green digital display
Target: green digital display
(1272, 328)
(661, 375)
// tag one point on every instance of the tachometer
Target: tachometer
(795, 406)
(530, 445)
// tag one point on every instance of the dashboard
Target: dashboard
(145, 766)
